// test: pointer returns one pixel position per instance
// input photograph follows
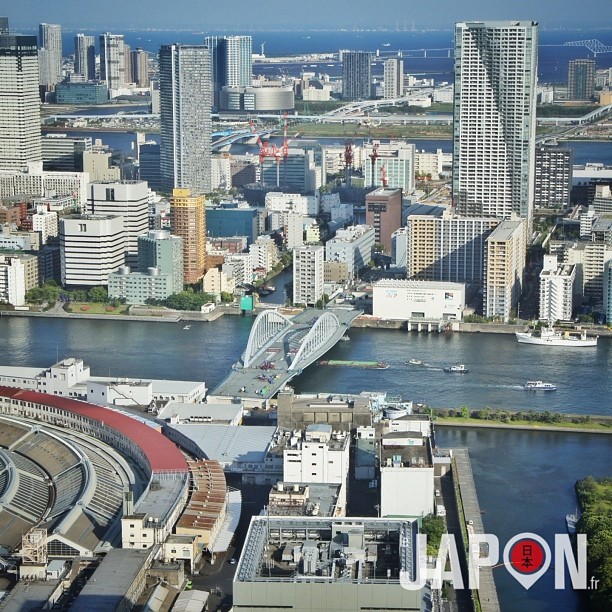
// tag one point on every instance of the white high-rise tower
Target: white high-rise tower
(50, 55)
(494, 118)
(19, 102)
(185, 105)
(112, 60)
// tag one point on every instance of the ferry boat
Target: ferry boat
(457, 369)
(538, 385)
(549, 337)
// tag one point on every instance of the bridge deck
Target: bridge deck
(270, 372)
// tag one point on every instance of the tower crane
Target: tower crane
(349, 156)
(383, 176)
(266, 149)
(373, 157)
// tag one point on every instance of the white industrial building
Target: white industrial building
(308, 278)
(322, 456)
(406, 475)
(556, 290)
(404, 300)
(353, 246)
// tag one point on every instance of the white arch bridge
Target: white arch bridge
(280, 347)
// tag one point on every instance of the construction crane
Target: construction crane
(349, 156)
(265, 150)
(373, 157)
(383, 176)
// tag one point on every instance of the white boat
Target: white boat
(571, 520)
(538, 385)
(414, 362)
(457, 369)
(549, 337)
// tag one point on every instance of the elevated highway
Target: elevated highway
(280, 348)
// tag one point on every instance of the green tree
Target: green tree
(433, 527)
(98, 295)
(465, 411)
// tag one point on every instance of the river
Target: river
(524, 479)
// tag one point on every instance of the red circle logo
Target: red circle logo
(527, 556)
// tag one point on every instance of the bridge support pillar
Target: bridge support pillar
(429, 327)
(418, 327)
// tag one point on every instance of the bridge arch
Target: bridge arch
(268, 324)
(320, 333)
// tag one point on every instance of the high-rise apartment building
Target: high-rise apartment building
(231, 62)
(447, 247)
(188, 221)
(186, 128)
(356, 75)
(4, 25)
(581, 79)
(384, 214)
(130, 199)
(49, 55)
(112, 60)
(85, 56)
(394, 78)
(127, 56)
(308, 263)
(19, 102)
(504, 268)
(494, 118)
(553, 176)
(140, 67)
(556, 290)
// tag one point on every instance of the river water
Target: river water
(524, 479)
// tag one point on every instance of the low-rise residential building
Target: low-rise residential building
(353, 246)
(217, 281)
(264, 253)
(139, 287)
(12, 281)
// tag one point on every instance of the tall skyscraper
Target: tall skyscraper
(85, 56)
(112, 60)
(49, 55)
(188, 221)
(581, 79)
(186, 128)
(231, 62)
(4, 25)
(553, 176)
(394, 78)
(356, 75)
(19, 102)
(140, 67)
(494, 118)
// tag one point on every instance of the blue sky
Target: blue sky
(298, 14)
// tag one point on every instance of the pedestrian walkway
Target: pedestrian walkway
(471, 509)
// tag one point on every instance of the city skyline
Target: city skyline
(328, 14)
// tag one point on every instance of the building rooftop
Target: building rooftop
(285, 549)
(161, 453)
(393, 283)
(301, 499)
(193, 413)
(230, 443)
(105, 590)
(504, 231)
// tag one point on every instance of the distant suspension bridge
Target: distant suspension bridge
(593, 45)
